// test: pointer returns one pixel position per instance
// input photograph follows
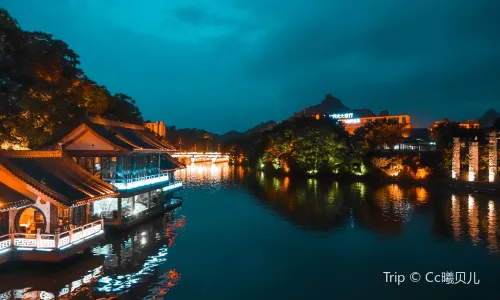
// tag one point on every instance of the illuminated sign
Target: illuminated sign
(346, 118)
(352, 121)
(342, 116)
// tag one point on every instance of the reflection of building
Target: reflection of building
(63, 283)
(158, 128)
(45, 200)
(133, 259)
(130, 158)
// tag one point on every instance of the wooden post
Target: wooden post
(12, 232)
(57, 232)
(87, 213)
(70, 216)
(38, 238)
(119, 212)
(70, 233)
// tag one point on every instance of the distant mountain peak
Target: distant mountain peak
(489, 118)
(329, 99)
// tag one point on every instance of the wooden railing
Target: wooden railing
(49, 242)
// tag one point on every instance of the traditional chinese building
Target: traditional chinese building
(469, 124)
(130, 158)
(158, 128)
(45, 201)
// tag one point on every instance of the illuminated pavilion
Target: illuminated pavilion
(129, 157)
(55, 202)
(45, 200)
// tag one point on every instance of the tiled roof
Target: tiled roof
(128, 137)
(10, 198)
(169, 163)
(58, 177)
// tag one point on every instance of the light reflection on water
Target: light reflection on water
(126, 264)
(137, 264)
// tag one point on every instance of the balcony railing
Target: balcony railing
(132, 183)
(50, 242)
(175, 185)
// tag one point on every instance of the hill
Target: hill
(489, 118)
(332, 105)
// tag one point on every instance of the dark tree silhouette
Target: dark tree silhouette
(43, 90)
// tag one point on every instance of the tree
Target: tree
(43, 90)
(391, 166)
(279, 150)
(377, 134)
(444, 133)
(317, 150)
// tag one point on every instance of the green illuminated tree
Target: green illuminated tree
(318, 150)
(377, 134)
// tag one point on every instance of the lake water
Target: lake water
(251, 236)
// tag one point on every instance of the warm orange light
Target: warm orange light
(421, 195)
(422, 173)
(317, 117)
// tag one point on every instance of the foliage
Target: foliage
(302, 144)
(448, 157)
(391, 166)
(317, 150)
(377, 134)
(279, 150)
(422, 172)
(444, 133)
(43, 90)
(189, 139)
(464, 158)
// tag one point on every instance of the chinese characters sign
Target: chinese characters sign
(346, 118)
(342, 116)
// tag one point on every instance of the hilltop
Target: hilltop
(331, 105)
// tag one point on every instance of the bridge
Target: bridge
(214, 157)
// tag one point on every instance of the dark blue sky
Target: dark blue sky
(220, 64)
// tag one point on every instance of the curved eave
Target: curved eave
(17, 205)
(89, 200)
(65, 140)
(16, 172)
(172, 170)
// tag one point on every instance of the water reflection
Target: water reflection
(63, 282)
(134, 264)
(207, 173)
(474, 218)
(126, 265)
(386, 209)
(132, 261)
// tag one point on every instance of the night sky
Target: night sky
(222, 65)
